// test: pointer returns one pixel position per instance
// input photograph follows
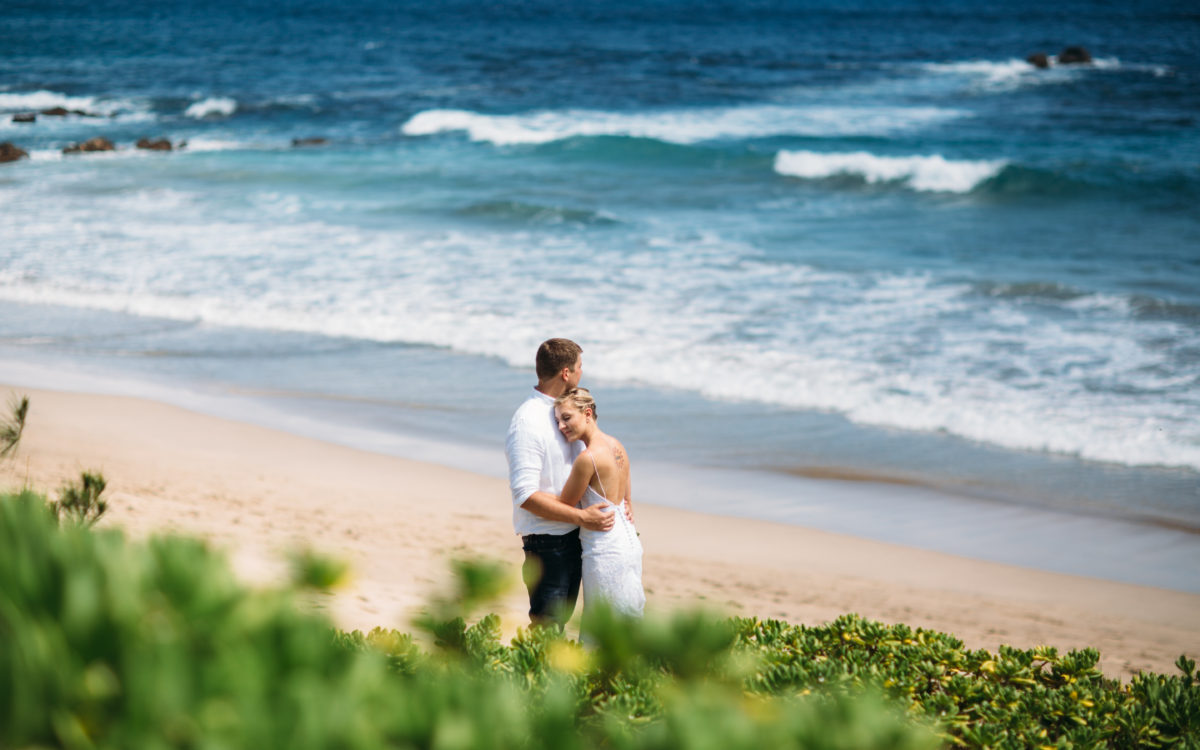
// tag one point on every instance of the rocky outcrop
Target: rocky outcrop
(91, 144)
(9, 152)
(302, 142)
(25, 117)
(1038, 60)
(63, 112)
(1074, 56)
(158, 144)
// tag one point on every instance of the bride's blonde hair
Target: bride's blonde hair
(580, 398)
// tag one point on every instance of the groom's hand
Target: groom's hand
(598, 517)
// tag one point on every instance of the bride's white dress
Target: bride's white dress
(612, 560)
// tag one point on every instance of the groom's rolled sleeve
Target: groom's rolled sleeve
(525, 459)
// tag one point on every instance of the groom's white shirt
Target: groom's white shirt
(539, 459)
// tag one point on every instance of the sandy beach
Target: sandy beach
(258, 493)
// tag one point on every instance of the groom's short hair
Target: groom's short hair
(555, 355)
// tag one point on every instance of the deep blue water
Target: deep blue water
(789, 235)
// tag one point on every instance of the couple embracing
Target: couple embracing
(571, 496)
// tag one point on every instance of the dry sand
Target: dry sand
(258, 493)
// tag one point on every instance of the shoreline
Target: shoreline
(849, 474)
(925, 514)
(257, 492)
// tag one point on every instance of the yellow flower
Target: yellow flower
(566, 657)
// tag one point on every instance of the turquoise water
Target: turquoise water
(791, 236)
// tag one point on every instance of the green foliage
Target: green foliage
(476, 582)
(80, 501)
(314, 571)
(110, 644)
(13, 426)
(1011, 699)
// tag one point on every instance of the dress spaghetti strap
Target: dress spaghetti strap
(603, 492)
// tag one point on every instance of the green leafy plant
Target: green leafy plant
(80, 501)
(311, 570)
(12, 426)
(105, 643)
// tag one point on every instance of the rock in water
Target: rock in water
(1038, 60)
(1074, 56)
(301, 142)
(25, 117)
(9, 152)
(63, 112)
(91, 144)
(159, 144)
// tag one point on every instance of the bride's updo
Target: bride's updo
(580, 398)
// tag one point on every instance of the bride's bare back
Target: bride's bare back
(611, 476)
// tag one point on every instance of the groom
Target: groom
(539, 462)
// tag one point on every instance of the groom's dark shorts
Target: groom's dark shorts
(552, 569)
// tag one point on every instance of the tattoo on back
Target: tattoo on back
(619, 455)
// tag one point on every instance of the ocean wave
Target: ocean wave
(1005, 75)
(989, 72)
(217, 106)
(1024, 364)
(1032, 402)
(1137, 307)
(46, 154)
(1032, 290)
(295, 100)
(1122, 178)
(96, 106)
(684, 126)
(211, 143)
(697, 313)
(1154, 308)
(531, 213)
(925, 173)
(33, 101)
(72, 123)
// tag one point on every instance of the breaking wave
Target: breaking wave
(925, 173)
(217, 106)
(682, 126)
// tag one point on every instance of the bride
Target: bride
(612, 560)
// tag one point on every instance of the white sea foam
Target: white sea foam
(97, 107)
(72, 123)
(927, 173)
(1005, 75)
(217, 106)
(681, 309)
(33, 101)
(988, 72)
(209, 143)
(677, 126)
(296, 100)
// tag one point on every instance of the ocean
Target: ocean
(809, 246)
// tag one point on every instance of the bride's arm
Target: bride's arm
(577, 482)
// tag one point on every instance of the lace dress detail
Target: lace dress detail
(612, 560)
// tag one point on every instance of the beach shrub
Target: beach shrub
(1010, 699)
(105, 643)
(80, 501)
(12, 426)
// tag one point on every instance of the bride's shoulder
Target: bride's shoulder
(585, 458)
(618, 451)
